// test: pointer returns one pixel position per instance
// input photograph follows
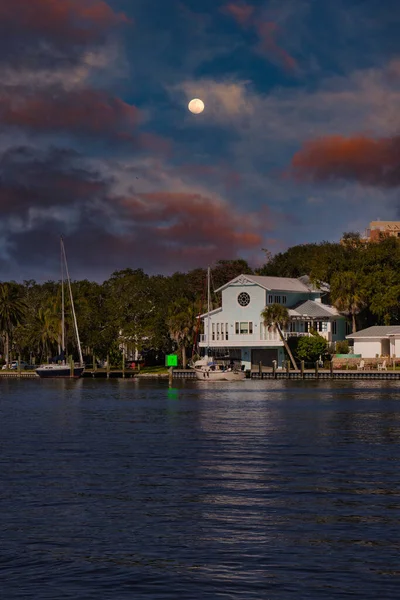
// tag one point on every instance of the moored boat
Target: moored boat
(207, 369)
(62, 368)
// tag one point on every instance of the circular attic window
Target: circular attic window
(244, 299)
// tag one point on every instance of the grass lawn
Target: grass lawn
(159, 370)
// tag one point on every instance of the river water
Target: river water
(258, 489)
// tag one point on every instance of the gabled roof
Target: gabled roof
(376, 331)
(281, 284)
(313, 309)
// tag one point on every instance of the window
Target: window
(283, 299)
(321, 326)
(213, 331)
(226, 331)
(244, 299)
(277, 299)
(334, 327)
(244, 327)
(217, 331)
(270, 298)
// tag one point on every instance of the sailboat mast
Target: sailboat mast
(208, 309)
(62, 302)
(72, 305)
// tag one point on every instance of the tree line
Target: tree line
(153, 315)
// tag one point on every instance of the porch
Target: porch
(256, 338)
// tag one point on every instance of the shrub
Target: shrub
(342, 347)
(311, 348)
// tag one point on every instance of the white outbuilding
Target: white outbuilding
(377, 341)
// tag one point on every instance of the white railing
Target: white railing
(289, 334)
(268, 336)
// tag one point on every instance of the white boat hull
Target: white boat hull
(207, 374)
(52, 370)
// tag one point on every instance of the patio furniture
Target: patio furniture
(382, 366)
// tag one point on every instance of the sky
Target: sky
(299, 140)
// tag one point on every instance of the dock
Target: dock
(315, 374)
(257, 374)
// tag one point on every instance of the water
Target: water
(268, 490)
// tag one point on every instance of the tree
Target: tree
(310, 348)
(181, 324)
(12, 312)
(275, 317)
(347, 294)
(47, 327)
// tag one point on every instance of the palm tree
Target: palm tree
(47, 327)
(12, 312)
(347, 295)
(181, 324)
(275, 317)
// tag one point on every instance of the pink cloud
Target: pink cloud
(241, 12)
(75, 21)
(87, 111)
(369, 161)
(268, 32)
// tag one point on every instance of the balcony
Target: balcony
(260, 339)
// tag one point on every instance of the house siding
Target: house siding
(368, 348)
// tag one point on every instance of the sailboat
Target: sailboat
(63, 369)
(206, 368)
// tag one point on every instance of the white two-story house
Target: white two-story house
(236, 328)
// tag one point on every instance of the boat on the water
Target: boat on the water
(61, 368)
(207, 369)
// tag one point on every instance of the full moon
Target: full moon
(196, 106)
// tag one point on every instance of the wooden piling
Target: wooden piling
(331, 368)
(71, 366)
(19, 364)
(316, 370)
(170, 376)
(274, 368)
(108, 367)
(123, 365)
(260, 371)
(287, 369)
(302, 368)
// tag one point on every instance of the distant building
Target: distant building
(376, 341)
(379, 229)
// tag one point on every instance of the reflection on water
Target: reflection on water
(122, 489)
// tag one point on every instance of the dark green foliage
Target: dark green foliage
(309, 348)
(139, 310)
(342, 347)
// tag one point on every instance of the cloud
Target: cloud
(225, 101)
(242, 13)
(373, 162)
(266, 30)
(68, 21)
(157, 221)
(83, 111)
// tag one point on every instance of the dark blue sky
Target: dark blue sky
(299, 140)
